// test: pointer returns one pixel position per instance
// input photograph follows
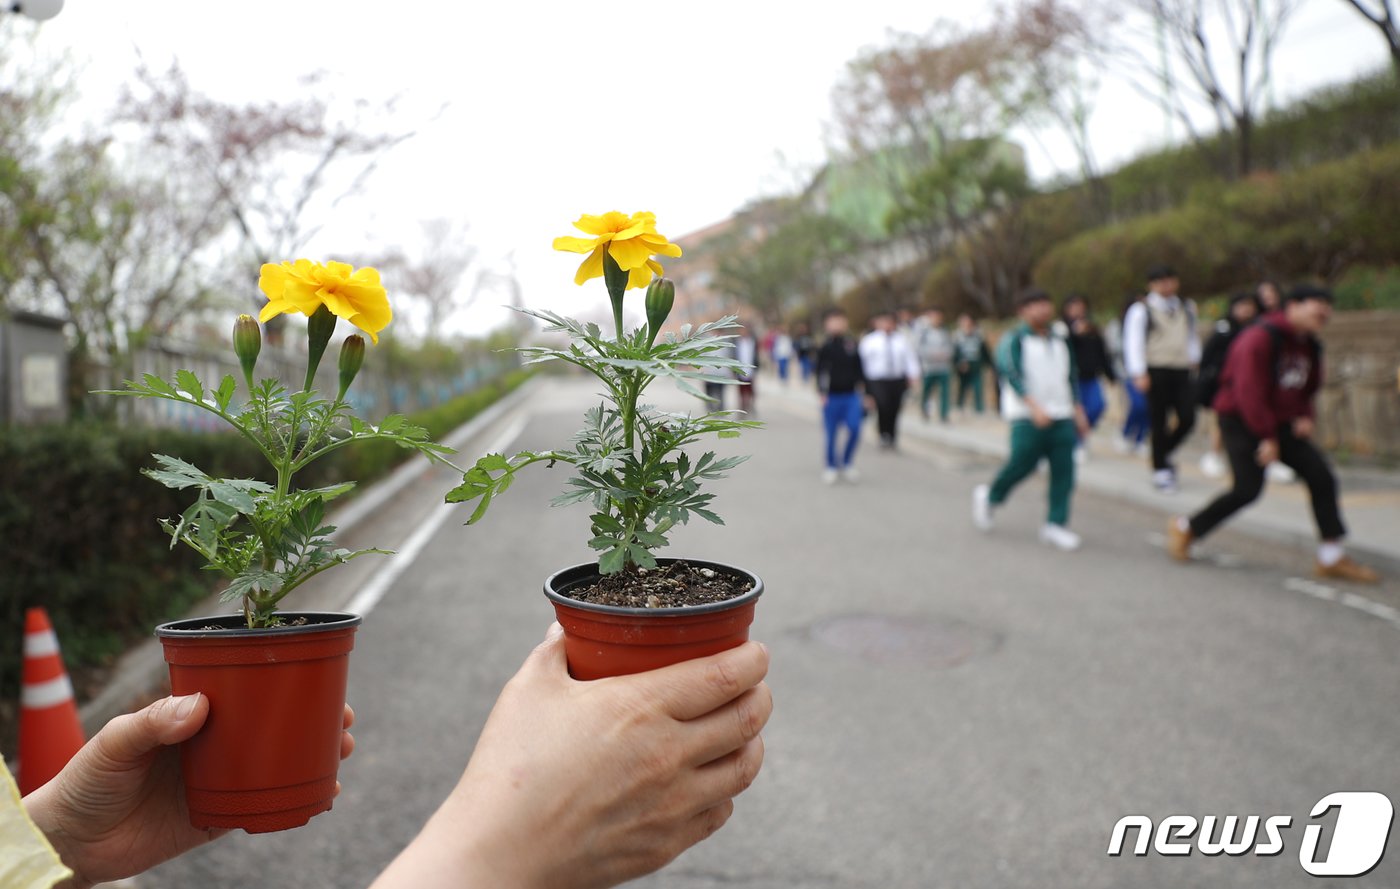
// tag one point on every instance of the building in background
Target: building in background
(33, 370)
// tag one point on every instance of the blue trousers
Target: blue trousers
(1091, 399)
(842, 410)
(1138, 424)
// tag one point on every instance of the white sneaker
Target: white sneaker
(1164, 480)
(1281, 473)
(1060, 537)
(1123, 445)
(1212, 465)
(850, 475)
(1142, 449)
(829, 476)
(1081, 454)
(982, 507)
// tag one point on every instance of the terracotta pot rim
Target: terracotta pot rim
(591, 568)
(232, 625)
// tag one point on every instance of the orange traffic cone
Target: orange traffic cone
(49, 730)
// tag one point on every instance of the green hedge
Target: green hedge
(79, 521)
(1330, 124)
(1365, 287)
(1313, 223)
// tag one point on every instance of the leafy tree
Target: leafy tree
(974, 192)
(123, 259)
(933, 113)
(786, 268)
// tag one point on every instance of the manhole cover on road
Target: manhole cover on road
(893, 640)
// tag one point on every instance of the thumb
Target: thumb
(127, 739)
(547, 658)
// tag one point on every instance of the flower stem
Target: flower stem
(616, 279)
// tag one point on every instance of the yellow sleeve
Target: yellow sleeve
(27, 861)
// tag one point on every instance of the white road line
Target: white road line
(1227, 560)
(1387, 613)
(371, 499)
(370, 594)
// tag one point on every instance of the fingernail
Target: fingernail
(184, 705)
(762, 646)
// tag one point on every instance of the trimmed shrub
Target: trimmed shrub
(1310, 223)
(1363, 288)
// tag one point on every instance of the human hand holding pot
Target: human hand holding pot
(118, 807)
(589, 784)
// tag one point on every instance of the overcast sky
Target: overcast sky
(553, 109)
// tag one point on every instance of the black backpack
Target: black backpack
(1213, 363)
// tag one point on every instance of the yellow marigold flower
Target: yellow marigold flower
(304, 286)
(630, 240)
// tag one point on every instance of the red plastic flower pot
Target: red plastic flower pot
(267, 757)
(610, 640)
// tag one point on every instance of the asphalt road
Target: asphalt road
(952, 708)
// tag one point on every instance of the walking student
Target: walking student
(1242, 312)
(841, 381)
(934, 346)
(1133, 439)
(890, 370)
(970, 358)
(1160, 350)
(1265, 409)
(782, 353)
(1041, 399)
(1091, 359)
(746, 350)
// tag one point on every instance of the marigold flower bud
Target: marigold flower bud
(661, 296)
(318, 333)
(247, 343)
(352, 357)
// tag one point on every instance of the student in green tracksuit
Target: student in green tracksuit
(970, 357)
(1040, 397)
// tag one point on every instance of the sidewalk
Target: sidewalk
(1370, 497)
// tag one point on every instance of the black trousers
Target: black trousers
(1299, 453)
(889, 397)
(1171, 392)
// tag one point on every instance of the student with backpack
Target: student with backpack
(1160, 349)
(1265, 406)
(1243, 310)
(1136, 425)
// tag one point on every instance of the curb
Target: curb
(1259, 526)
(142, 667)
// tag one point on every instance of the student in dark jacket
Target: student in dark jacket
(1243, 311)
(841, 381)
(1090, 356)
(1265, 406)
